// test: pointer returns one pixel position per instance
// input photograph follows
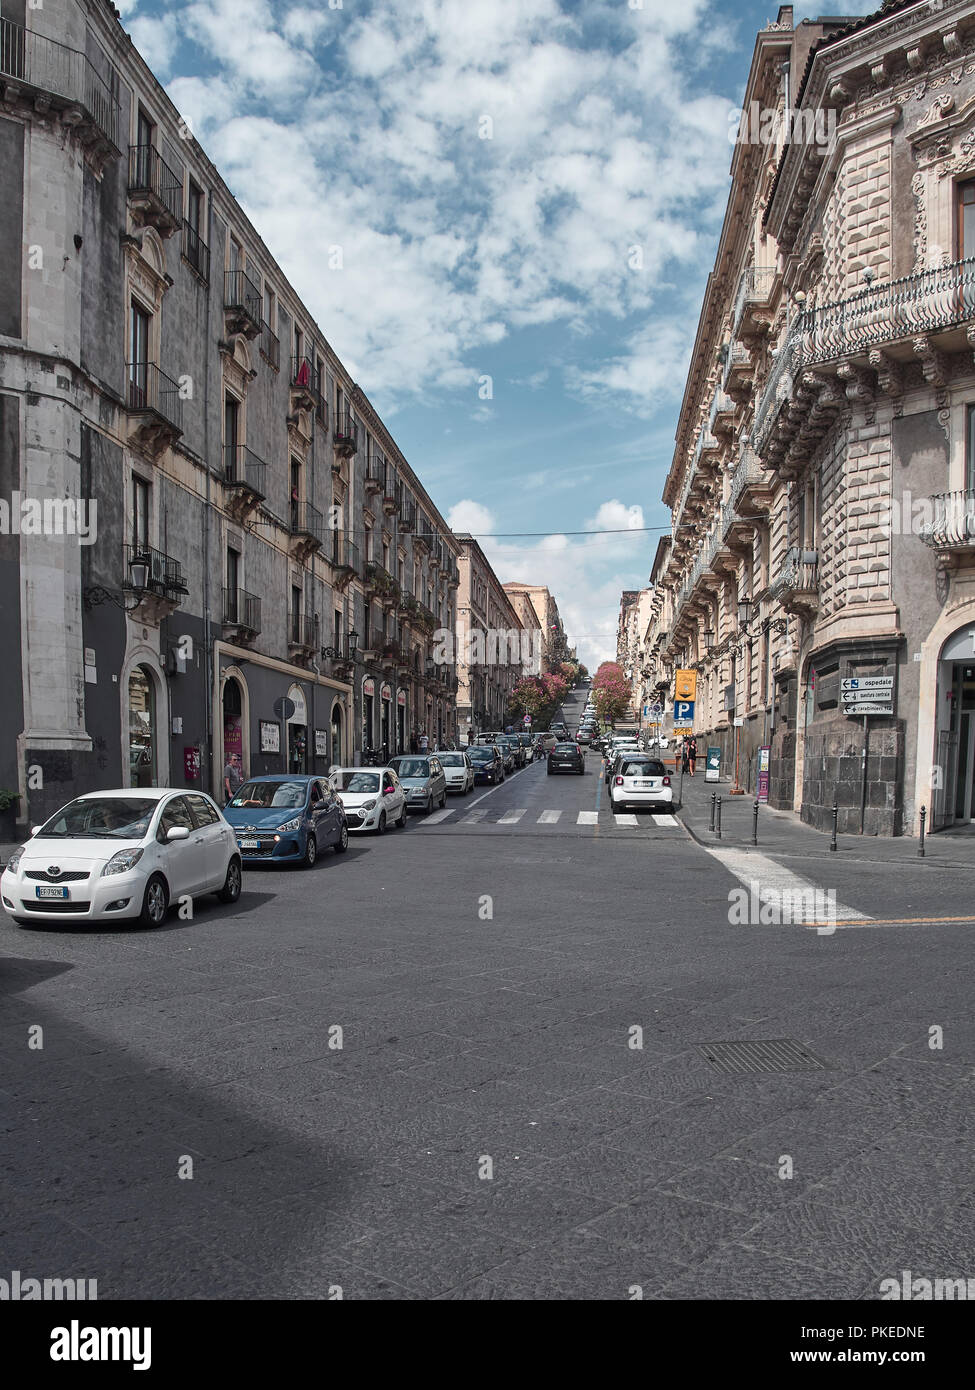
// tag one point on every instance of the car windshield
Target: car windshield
(641, 767)
(101, 818)
(353, 781)
(412, 767)
(564, 748)
(452, 759)
(481, 755)
(287, 796)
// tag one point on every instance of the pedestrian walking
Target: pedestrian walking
(685, 755)
(424, 742)
(233, 777)
(692, 752)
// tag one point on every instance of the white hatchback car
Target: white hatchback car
(373, 797)
(122, 854)
(459, 772)
(640, 780)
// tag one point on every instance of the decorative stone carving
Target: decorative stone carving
(933, 363)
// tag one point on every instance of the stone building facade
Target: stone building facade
(266, 572)
(535, 604)
(821, 573)
(495, 647)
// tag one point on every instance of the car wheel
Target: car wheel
(401, 821)
(311, 852)
(381, 826)
(443, 799)
(155, 902)
(342, 844)
(230, 891)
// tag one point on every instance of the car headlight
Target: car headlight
(14, 861)
(289, 825)
(123, 861)
(368, 806)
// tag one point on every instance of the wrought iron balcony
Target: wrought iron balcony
(306, 524)
(390, 488)
(343, 555)
(243, 470)
(304, 390)
(738, 367)
(796, 586)
(928, 302)
(242, 610)
(754, 290)
(270, 346)
(776, 393)
(149, 391)
(375, 474)
(42, 65)
(196, 252)
(242, 303)
(407, 515)
(164, 575)
(344, 434)
(952, 523)
(155, 190)
(302, 633)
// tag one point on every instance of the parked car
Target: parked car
(510, 742)
(487, 762)
(372, 796)
(584, 738)
(122, 855)
(566, 757)
(287, 817)
(638, 781)
(617, 751)
(423, 780)
(459, 772)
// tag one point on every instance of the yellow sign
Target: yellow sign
(685, 685)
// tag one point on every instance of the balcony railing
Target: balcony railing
(47, 66)
(270, 346)
(390, 485)
(151, 392)
(952, 523)
(737, 359)
(375, 474)
(776, 392)
(344, 433)
(243, 469)
(407, 515)
(151, 176)
(241, 609)
(303, 377)
(342, 552)
(798, 577)
(303, 630)
(196, 252)
(307, 521)
(748, 471)
(165, 575)
(754, 287)
(923, 303)
(242, 296)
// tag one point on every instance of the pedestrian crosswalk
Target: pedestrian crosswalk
(524, 818)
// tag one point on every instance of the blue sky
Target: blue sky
(527, 196)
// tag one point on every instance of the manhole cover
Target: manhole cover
(773, 1054)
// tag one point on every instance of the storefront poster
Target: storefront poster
(191, 764)
(270, 737)
(321, 743)
(712, 768)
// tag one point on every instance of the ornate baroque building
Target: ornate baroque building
(823, 482)
(267, 572)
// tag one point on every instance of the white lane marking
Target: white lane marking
(511, 817)
(668, 822)
(549, 817)
(622, 819)
(473, 817)
(437, 817)
(497, 787)
(775, 885)
(587, 818)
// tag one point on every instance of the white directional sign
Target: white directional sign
(865, 683)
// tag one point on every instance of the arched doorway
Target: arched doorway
(953, 792)
(401, 745)
(233, 725)
(386, 734)
(143, 744)
(336, 735)
(298, 731)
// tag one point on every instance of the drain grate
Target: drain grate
(772, 1054)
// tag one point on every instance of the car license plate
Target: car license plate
(644, 784)
(51, 892)
(249, 844)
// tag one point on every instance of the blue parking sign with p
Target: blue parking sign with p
(683, 714)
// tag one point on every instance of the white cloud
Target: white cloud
(156, 40)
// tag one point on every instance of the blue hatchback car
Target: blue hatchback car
(287, 818)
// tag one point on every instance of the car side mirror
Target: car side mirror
(177, 832)
(33, 830)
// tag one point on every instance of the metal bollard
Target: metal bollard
(718, 826)
(755, 824)
(920, 848)
(836, 816)
(714, 797)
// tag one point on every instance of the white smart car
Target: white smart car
(640, 780)
(459, 772)
(122, 854)
(373, 797)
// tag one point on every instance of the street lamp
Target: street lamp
(708, 638)
(135, 589)
(744, 611)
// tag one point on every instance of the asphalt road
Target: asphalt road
(523, 1103)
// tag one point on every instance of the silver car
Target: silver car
(423, 780)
